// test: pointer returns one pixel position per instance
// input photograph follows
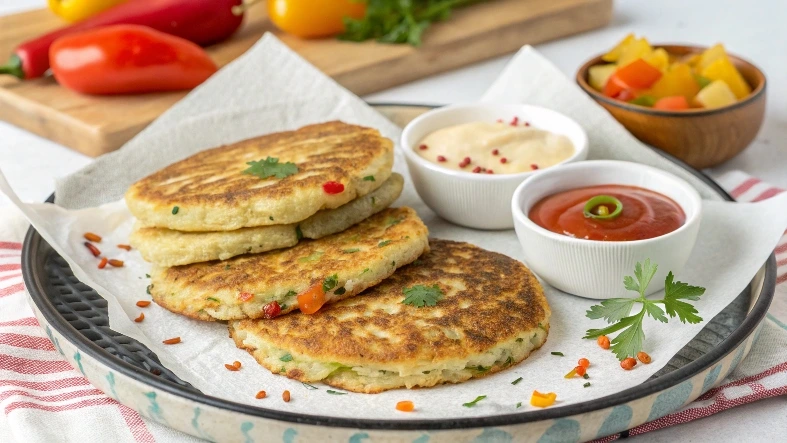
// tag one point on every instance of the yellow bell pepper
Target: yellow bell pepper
(78, 10)
(715, 95)
(659, 58)
(709, 56)
(677, 80)
(723, 69)
(543, 400)
(638, 48)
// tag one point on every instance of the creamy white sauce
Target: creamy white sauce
(518, 148)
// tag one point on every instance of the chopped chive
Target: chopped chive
(542, 326)
(214, 299)
(330, 282)
(148, 288)
(474, 402)
(509, 361)
(519, 405)
(270, 217)
(340, 291)
(226, 267)
(520, 340)
(516, 381)
(586, 385)
(283, 306)
(369, 178)
(332, 392)
(298, 232)
(586, 376)
(175, 210)
(480, 368)
(374, 201)
(290, 293)
(558, 353)
(286, 357)
(384, 243)
(351, 251)
(365, 271)
(309, 387)
(147, 275)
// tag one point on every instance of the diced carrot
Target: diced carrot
(143, 303)
(405, 406)
(126, 247)
(92, 237)
(260, 395)
(140, 318)
(171, 341)
(638, 74)
(103, 263)
(93, 249)
(311, 300)
(543, 400)
(674, 103)
(116, 263)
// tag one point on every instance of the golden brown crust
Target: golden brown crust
(213, 194)
(364, 255)
(490, 299)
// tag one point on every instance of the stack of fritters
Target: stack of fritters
(233, 229)
(300, 221)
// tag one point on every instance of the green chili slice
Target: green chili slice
(601, 202)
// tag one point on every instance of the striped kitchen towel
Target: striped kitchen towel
(43, 399)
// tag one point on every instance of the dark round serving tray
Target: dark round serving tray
(80, 315)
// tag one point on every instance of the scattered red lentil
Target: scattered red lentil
(140, 318)
(171, 341)
(271, 310)
(93, 249)
(405, 406)
(231, 367)
(126, 247)
(581, 370)
(583, 362)
(603, 341)
(92, 237)
(260, 395)
(423, 147)
(245, 296)
(534, 166)
(503, 160)
(103, 263)
(285, 396)
(116, 263)
(440, 158)
(495, 151)
(628, 363)
(643, 357)
(333, 187)
(143, 303)
(477, 169)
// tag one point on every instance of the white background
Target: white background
(754, 29)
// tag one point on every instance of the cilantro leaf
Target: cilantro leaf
(617, 311)
(674, 291)
(420, 295)
(330, 282)
(270, 167)
(474, 402)
(611, 310)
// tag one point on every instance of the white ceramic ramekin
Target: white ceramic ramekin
(595, 269)
(481, 201)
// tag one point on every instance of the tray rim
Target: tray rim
(756, 314)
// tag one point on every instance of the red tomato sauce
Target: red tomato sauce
(646, 214)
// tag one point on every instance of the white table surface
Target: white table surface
(755, 29)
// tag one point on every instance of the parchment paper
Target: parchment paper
(270, 89)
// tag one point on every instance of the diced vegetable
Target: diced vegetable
(675, 103)
(715, 95)
(543, 400)
(614, 54)
(659, 59)
(723, 69)
(599, 74)
(635, 75)
(709, 56)
(644, 100)
(638, 48)
(677, 80)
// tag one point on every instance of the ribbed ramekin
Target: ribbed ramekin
(481, 201)
(595, 269)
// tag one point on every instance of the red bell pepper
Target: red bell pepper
(201, 21)
(127, 59)
(674, 103)
(638, 74)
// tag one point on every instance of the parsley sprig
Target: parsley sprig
(616, 310)
(270, 167)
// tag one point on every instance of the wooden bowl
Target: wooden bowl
(700, 137)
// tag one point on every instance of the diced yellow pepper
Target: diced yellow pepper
(709, 56)
(614, 54)
(543, 400)
(659, 58)
(599, 74)
(638, 48)
(692, 60)
(723, 69)
(715, 95)
(677, 80)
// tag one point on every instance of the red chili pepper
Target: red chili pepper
(127, 59)
(271, 310)
(333, 188)
(202, 22)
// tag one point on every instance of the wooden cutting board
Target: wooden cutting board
(96, 125)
